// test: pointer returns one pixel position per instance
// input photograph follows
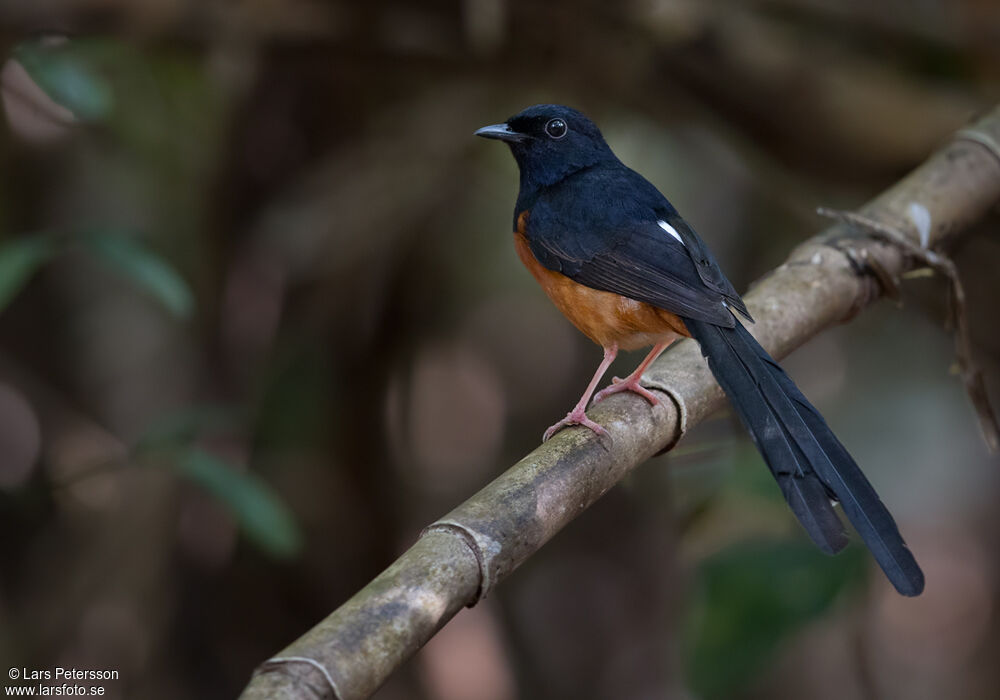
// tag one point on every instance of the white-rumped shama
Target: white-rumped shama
(623, 266)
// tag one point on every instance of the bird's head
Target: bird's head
(550, 142)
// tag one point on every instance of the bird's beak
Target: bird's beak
(501, 132)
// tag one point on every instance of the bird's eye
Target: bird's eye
(556, 128)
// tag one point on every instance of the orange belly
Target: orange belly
(604, 317)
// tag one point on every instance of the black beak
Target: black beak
(501, 132)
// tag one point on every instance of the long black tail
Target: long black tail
(806, 458)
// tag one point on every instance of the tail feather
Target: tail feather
(861, 503)
(804, 492)
(808, 461)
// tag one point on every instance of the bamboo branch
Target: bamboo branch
(461, 557)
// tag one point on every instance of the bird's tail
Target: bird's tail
(806, 458)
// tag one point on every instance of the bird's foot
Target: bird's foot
(631, 383)
(574, 417)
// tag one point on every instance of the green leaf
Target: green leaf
(145, 268)
(752, 596)
(182, 426)
(263, 517)
(69, 76)
(19, 260)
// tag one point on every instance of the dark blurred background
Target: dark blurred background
(261, 320)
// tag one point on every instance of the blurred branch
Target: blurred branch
(181, 19)
(972, 376)
(461, 557)
(849, 108)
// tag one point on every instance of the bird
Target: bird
(618, 260)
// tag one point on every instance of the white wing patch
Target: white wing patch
(671, 230)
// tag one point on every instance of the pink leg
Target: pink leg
(577, 416)
(631, 382)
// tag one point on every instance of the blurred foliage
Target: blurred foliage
(752, 596)
(147, 270)
(187, 425)
(266, 521)
(19, 260)
(173, 443)
(70, 73)
(261, 514)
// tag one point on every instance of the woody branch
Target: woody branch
(826, 280)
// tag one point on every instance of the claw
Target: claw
(574, 417)
(630, 384)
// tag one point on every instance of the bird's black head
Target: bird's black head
(549, 143)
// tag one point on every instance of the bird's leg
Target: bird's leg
(631, 382)
(578, 416)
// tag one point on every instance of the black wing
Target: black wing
(646, 265)
(708, 269)
(601, 229)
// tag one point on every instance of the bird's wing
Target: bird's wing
(615, 237)
(708, 269)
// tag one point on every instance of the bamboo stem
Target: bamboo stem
(461, 557)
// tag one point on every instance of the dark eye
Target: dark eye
(556, 128)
